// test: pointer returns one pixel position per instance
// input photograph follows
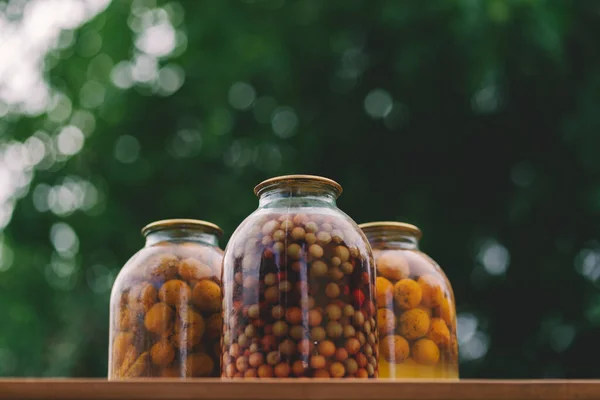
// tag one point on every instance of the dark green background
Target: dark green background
(492, 143)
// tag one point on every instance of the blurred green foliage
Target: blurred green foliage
(476, 120)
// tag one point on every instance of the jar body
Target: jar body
(416, 314)
(299, 295)
(166, 312)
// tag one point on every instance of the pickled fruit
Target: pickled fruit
(166, 306)
(299, 290)
(415, 294)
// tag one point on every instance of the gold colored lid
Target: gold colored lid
(391, 226)
(205, 226)
(298, 180)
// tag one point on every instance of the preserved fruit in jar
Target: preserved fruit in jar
(299, 287)
(165, 312)
(415, 306)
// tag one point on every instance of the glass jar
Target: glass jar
(299, 287)
(415, 306)
(165, 306)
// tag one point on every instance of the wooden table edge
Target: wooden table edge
(298, 389)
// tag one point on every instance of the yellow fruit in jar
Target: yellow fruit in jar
(425, 351)
(384, 290)
(207, 296)
(163, 267)
(407, 293)
(413, 324)
(394, 348)
(175, 292)
(386, 321)
(454, 348)
(159, 318)
(142, 297)
(170, 372)
(432, 291)
(125, 319)
(121, 344)
(128, 360)
(162, 353)
(192, 269)
(446, 312)
(410, 361)
(426, 309)
(392, 265)
(198, 364)
(438, 332)
(139, 367)
(189, 329)
(214, 325)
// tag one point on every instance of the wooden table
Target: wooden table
(213, 389)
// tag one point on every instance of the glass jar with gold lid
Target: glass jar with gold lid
(415, 306)
(299, 287)
(165, 311)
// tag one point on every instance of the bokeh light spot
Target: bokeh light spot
(170, 79)
(476, 348)
(100, 67)
(157, 40)
(127, 149)
(92, 94)
(522, 174)
(473, 343)
(466, 326)
(89, 44)
(64, 239)
(70, 140)
(241, 95)
(284, 122)
(561, 337)
(587, 262)
(40, 197)
(486, 99)
(60, 108)
(6, 254)
(378, 103)
(494, 257)
(175, 11)
(144, 69)
(121, 75)
(84, 120)
(36, 150)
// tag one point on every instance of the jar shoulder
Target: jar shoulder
(169, 260)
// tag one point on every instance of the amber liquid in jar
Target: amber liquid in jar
(166, 304)
(299, 288)
(415, 306)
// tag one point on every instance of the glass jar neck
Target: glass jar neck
(298, 195)
(392, 239)
(181, 235)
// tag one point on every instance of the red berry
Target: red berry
(359, 297)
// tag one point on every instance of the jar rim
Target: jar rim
(392, 226)
(163, 224)
(298, 180)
